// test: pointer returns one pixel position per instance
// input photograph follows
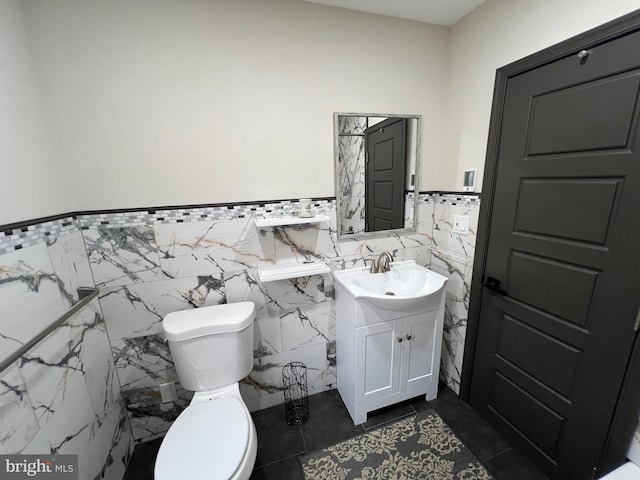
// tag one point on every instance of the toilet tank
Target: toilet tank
(211, 346)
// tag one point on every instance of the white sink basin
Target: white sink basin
(407, 284)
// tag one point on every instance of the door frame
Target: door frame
(626, 413)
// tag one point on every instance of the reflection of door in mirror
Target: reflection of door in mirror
(355, 188)
(385, 175)
(391, 199)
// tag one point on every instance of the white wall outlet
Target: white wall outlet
(461, 224)
(168, 392)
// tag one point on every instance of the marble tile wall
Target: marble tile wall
(83, 391)
(452, 256)
(149, 263)
(63, 395)
(145, 271)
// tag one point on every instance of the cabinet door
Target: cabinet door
(421, 350)
(378, 360)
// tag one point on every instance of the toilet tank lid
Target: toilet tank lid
(198, 322)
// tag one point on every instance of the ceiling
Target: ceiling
(439, 12)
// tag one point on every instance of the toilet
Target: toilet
(214, 437)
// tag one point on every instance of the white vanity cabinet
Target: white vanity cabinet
(386, 356)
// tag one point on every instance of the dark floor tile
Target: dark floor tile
(480, 437)
(287, 469)
(388, 414)
(512, 464)
(445, 394)
(329, 422)
(276, 439)
(143, 460)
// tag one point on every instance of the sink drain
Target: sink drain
(389, 293)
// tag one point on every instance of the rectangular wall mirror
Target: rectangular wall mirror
(377, 166)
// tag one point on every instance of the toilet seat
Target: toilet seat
(208, 436)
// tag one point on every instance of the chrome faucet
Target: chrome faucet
(382, 265)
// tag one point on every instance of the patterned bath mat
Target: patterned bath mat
(415, 448)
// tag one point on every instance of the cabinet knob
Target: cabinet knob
(400, 339)
(408, 337)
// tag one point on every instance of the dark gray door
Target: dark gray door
(562, 274)
(385, 172)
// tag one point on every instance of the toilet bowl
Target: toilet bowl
(214, 437)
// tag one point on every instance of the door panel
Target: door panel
(553, 346)
(530, 417)
(553, 128)
(521, 345)
(573, 208)
(578, 283)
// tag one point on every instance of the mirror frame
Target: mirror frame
(416, 186)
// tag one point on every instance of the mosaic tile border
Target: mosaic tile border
(21, 237)
(193, 214)
(464, 200)
(25, 235)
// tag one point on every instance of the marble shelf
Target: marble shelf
(291, 270)
(262, 221)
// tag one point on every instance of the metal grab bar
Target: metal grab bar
(84, 293)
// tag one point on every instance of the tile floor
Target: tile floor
(280, 444)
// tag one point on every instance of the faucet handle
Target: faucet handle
(373, 268)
